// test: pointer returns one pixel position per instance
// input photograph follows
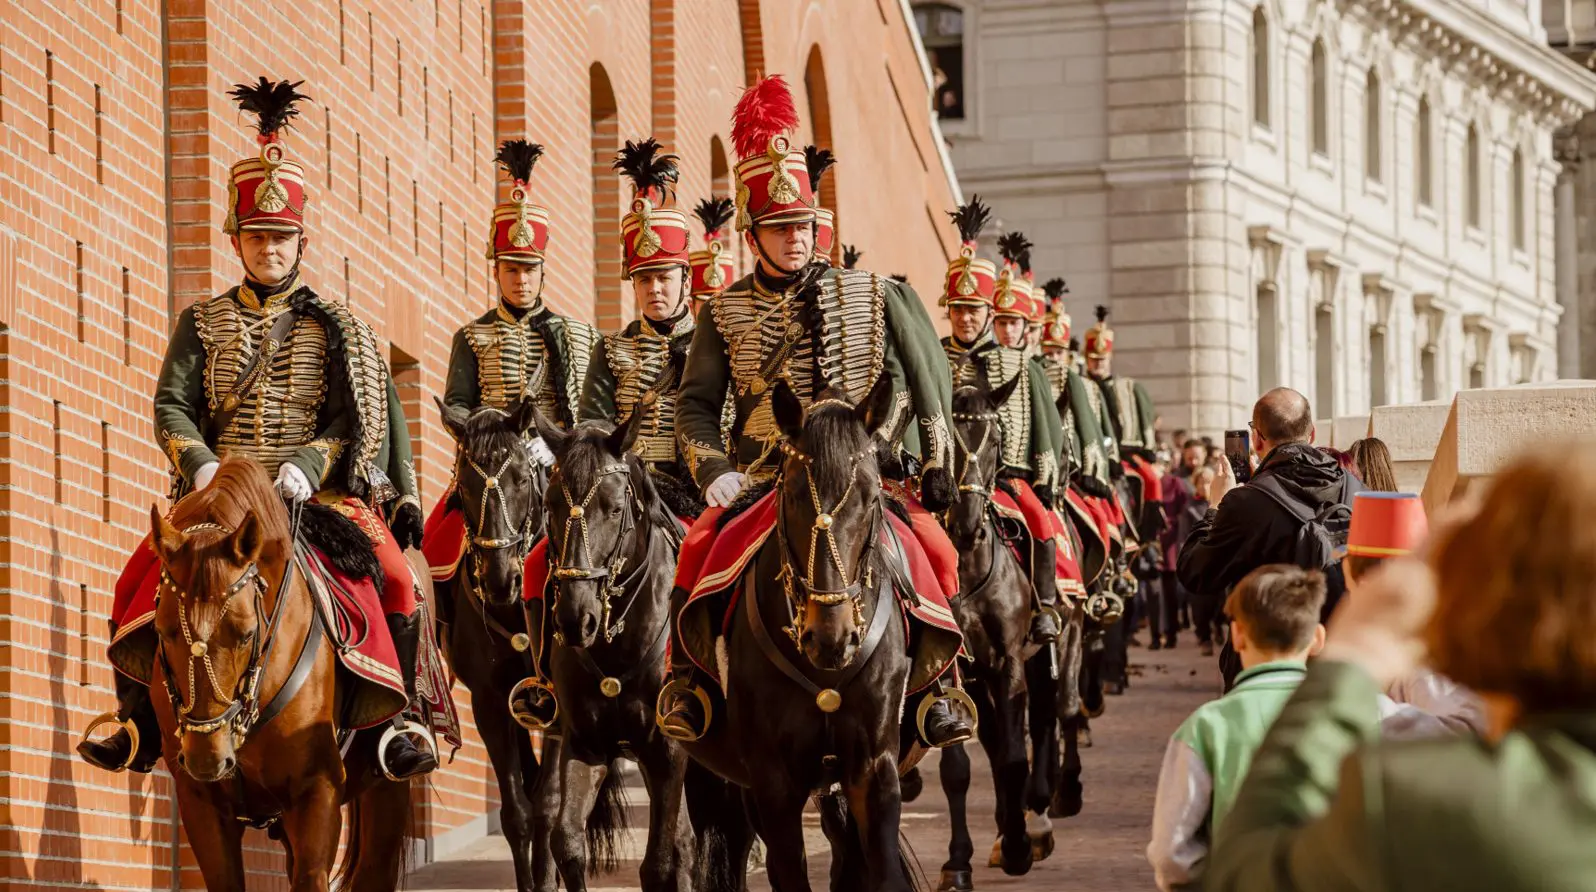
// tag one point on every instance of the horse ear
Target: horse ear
(1006, 389)
(454, 418)
(248, 539)
(621, 439)
(166, 539)
(522, 415)
(876, 412)
(555, 438)
(788, 411)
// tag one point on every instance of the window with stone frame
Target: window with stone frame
(941, 27)
(1517, 193)
(1372, 133)
(1259, 46)
(1319, 99)
(1423, 143)
(1473, 181)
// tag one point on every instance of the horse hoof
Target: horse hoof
(956, 881)
(910, 786)
(1014, 861)
(1041, 846)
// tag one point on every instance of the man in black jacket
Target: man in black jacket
(1247, 528)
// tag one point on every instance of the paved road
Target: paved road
(1102, 850)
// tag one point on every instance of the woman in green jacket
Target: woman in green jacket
(1507, 607)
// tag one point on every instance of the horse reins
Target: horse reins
(608, 574)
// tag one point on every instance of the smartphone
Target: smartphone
(1238, 451)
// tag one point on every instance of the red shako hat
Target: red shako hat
(520, 228)
(713, 267)
(268, 190)
(653, 234)
(772, 178)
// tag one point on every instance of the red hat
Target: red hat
(1014, 286)
(1386, 524)
(713, 267)
(520, 228)
(825, 231)
(1056, 325)
(1100, 338)
(267, 191)
(772, 180)
(971, 280)
(818, 161)
(653, 236)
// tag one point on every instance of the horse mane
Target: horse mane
(241, 485)
(488, 430)
(971, 400)
(832, 437)
(587, 453)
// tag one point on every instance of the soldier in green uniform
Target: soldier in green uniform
(273, 371)
(520, 348)
(1083, 436)
(1128, 408)
(869, 325)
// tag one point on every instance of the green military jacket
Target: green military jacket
(496, 357)
(326, 403)
(1033, 435)
(628, 364)
(870, 324)
(1083, 432)
(1130, 412)
(1326, 807)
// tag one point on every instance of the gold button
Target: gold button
(828, 700)
(198, 649)
(521, 641)
(610, 687)
(757, 387)
(822, 521)
(576, 510)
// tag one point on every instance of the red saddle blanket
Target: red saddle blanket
(1067, 567)
(351, 608)
(443, 539)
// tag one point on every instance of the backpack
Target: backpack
(1322, 538)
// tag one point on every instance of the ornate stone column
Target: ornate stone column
(1569, 327)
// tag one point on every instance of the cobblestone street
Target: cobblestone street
(1102, 850)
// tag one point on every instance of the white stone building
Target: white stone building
(1351, 197)
(1571, 28)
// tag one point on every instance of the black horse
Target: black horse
(994, 612)
(499, 487)
(612, 547)
(816, 660)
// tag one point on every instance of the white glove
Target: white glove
(724, 489)
(292, 483)
(203, 477)
(540, 452)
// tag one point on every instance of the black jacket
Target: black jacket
(1250, 529)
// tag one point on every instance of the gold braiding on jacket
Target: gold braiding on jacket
(368, 375)
(280, 415)
(637, 362)
(963, 372)
(1014, 416)
(508, 352)
(1130, 415)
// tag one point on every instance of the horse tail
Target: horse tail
(713, 857)
(606, 824)
(370, 833)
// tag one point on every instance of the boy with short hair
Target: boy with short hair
(1274, 627)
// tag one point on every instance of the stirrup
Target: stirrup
(533, 683)
(682, 686)
(128, 725)
(411, 727)
(1105, 608)
(958, 696)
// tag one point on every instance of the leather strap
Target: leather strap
(301, 671)
(836, 679)
(257, 366)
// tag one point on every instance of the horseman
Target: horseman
(518, 350)
(1127, 408)
(1083, 436)
(1032, 438)
(859, 325)
(273, 371)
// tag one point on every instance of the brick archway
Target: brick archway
(609, 311)
(819, 99)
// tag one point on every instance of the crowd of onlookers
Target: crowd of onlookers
(1410, 700)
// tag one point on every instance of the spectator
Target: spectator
(1193, 455)
(1207, 619)
(1178, 499)
(1287, 513)
(1506, 606)
(1275, 624)
(1371, 461)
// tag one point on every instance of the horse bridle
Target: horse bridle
(608, 574)
(990, 421)
(821, 531)
(521, 541)
(243, 710)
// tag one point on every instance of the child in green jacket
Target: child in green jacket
(1275, 628)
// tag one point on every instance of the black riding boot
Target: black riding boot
(116, 752)
(941, 726)
(1044, 580)
(532, 703)
(402, 755)
(683, 708)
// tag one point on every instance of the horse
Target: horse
(994, 612)
(500, 489)
(815, 659)
(612, 543)
(249, 699)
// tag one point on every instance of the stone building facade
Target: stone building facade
(1355, 199)
(1571, 29)
(115, 139)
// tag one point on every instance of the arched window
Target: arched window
(1371, 128)
(941, 28)
(604, 138)
(1520, 233)
(1471, 160)
(1319, 99)
(1421, 150)
(1260, 68)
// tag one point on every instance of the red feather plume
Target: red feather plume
(765, 110)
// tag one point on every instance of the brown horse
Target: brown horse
(246, 693)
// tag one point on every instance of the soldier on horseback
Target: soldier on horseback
(1032, 437)
(273, 371)
(797, 318)
(1083, 437)
(1126, 406)
(713, 267)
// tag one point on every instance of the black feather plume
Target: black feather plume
(648, 166)
(899, 277)
(850, 256)
(1102, 313)
(1016, 249)
(1055, 288)
(818, 161)
(1075, 345)
(271, 103)
(971, 218)
(518, 157)
(715, 213)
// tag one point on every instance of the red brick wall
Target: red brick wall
(113, 156)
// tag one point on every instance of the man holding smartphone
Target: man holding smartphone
(1292, 510)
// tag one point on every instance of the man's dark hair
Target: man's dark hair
(1277, 606)
(1283, 416)
(1194, 443)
